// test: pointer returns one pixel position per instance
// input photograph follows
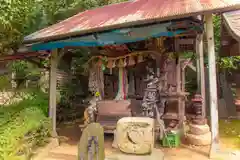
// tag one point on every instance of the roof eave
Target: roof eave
(129, 24)
(230, 29)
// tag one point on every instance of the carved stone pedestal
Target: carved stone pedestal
(199, 129)
(199, 140)
(199, 135)
(199, 132)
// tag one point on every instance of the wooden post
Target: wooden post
(183, 100)
(198, 68)
(212, 86)
(131, 83)
(158, 65)
(53, 90)
(199, 51)
(237, 101)
(181, 111)
(183, 79)
(179, 86)
(13, 80)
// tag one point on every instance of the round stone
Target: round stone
(199, 129)
(199, 121)
(199, 140)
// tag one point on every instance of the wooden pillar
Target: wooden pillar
(237, 101)
(13, 80)
(158, 65)
(201, 72)
(212, 86)
(53, 90)
(100, 81)
(181, 111)
(198, 68)
(131, 83)
(183, 81)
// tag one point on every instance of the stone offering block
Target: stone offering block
(135, 135)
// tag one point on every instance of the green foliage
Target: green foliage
(230, 133)
(188, 55)
(57, 10)
(224, 62)
(19, 18)
(217, 32)
(23, 126)
(19, 67)
(24, 70)
(230, 62)
(4, 82)
(14, 20)
(75, 88)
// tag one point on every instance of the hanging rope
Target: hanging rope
(126, 60)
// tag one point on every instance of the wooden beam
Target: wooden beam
(199, 51)
(192, 67)
(198, 67)
(212, 86)
(53, 90)
(20, 56)
(186, 41)
(179, 88)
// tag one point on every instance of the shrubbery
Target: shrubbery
(23, 126)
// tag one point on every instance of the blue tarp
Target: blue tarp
(119, 36)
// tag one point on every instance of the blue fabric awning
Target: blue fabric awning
(119, 36)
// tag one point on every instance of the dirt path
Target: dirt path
(71, 134)
(69, 152)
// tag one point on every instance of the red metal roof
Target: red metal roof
(130, 13)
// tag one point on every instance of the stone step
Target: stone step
(65, 149)
(60, 156)
(155, 155)
(52, 159)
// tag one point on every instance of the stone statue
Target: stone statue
(91, 111)
(91, 145)
(151, 98)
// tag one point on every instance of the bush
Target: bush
(4, 82)
(23, 127)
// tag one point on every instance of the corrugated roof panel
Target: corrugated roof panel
(130, 13)
(232, 22)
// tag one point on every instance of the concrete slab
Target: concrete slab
(155, 155)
